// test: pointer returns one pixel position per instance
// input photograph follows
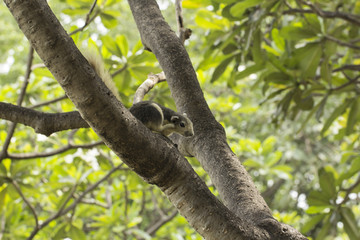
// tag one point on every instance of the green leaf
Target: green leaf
(122, 42)
(111, 45)
(325, 229)
(239, 8)
(273, 158)
(278, 78)
(325, 71)
(219, 70)
(249, 70)
(312, 223)
(349, 221)
(316, 209)
(268, 145)
(296, 32)
(76, 233)
(317, 198)
(257, 54)
(309, 58)
(327, 183)
(108, 18)
(303, 103)
(251, 163)
(348, 173)
(335, 114)
(3, 194)
(278, 40)
(353, 116)
(320, 111)
(144, 57)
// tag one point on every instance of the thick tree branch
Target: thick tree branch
(209, 144)
(44, 123)
(148, 154)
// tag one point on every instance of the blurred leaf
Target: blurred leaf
(353, 116)
(309, 58)
(252, 163)
(335, 114)
(296, 32)
(111, 45)
(278, 40)
(317, 198)
(314, 220)
(220, 69)
(123, 44)
(325, 229)
(278, 78)
(268, 145)
(327, 183)
(273, 158)
(256, 48)
(248, 70)
(348, 173)
(350, 223)
(239, 8)
(108, 18)
(76, 233)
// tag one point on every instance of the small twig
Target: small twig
(88, 20)
(119, 71)
(345, 44)
(74, 204)
(48, 102)
(324, 14)
(184, 33)
(95, 203)
(4, 150)
(18, 189)
(162, 221)
(348, 67)
(350, 82)
(147, 85)
(25, 156)
(349, 190)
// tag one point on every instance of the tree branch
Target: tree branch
(44, 123)
(324, 14)
(157, 161)
(24, 156)
(12, 126)
(209, 144)
(62, 211)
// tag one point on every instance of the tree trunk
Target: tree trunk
(243, 213)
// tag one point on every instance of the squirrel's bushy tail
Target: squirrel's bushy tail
(97, 63)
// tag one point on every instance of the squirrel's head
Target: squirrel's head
(183, 125)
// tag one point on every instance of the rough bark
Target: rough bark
(44, 123)
(158, 162)
(209, 144)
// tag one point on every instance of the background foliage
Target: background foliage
(281, 76)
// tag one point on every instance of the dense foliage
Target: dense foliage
(281, 76)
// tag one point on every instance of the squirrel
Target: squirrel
(153, 115)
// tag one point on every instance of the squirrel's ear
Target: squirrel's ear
(174, 118)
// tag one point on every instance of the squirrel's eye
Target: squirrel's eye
(182, 125)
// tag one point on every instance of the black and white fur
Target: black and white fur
(153, 115)
(161, 119)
